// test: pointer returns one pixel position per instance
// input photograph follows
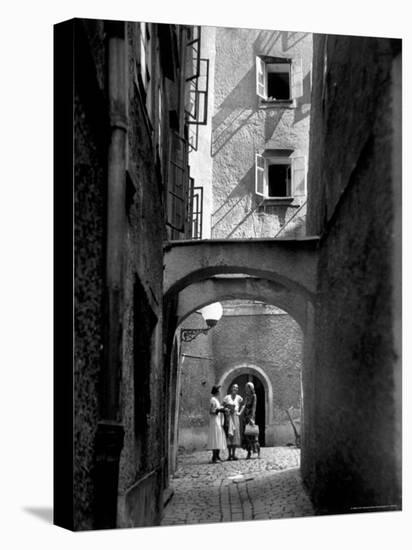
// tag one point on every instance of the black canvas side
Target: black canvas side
(63, 274)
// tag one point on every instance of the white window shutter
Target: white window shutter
(143, 53)
(297, 78)
(260, 77)
(260, 175)
(298, 176)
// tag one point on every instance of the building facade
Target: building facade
(351, 453)
(253, 342)
(254, 155)
(143, 95)
(260, 133)
(132, 191)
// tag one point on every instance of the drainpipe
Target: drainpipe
(109, 437)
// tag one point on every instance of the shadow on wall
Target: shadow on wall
(290, 39)
(234, 112)
(266, 40)
(303, 103)
(272, 119)
(243, 191)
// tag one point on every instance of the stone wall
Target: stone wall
(143, 377)
(143, 275)
(351, 454)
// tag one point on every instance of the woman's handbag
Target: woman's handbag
(251, 429)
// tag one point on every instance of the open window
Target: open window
(195, 213)
(279, 176)
(178, 184)
(146, 64)
(278, 79)
(196, 107)
(193, 54)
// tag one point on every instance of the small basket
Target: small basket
(251, 429)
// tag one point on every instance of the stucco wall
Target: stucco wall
(240, 127)
(350, 397)
(197, 378)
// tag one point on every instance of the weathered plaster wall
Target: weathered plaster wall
(272, 342)
(91, 135)
(197, 378)
(143, 380)
(350, 397)
(240, 127)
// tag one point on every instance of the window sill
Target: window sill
(277, 103)
(280, 201)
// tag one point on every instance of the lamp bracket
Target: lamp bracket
(189, 334)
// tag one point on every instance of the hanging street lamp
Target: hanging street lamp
(211, 314)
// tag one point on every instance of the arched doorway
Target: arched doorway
(247, 372)
(241, 381)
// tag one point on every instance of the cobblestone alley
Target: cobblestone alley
(265, 488)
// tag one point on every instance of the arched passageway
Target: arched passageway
(277, 272)
(292, 263)
(205, 362)
(216, 289)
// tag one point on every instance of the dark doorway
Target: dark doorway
(260, 396)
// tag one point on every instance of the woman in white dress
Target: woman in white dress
(216, 440)
(232, 403)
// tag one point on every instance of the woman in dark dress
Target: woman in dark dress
(250, 442)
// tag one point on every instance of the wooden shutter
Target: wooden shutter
(260, 175)
(143, 53)
(297, 78)
(260, 77)
(298, 176)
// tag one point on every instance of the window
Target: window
(280, 176)
(177, 185)
(195, 207)
(198, 91)
(146, 64)
(278, 79)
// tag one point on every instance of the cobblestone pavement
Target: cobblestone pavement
(265, 488)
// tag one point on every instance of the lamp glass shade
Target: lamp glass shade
(212, 313)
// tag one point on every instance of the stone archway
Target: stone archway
(285, 270)
(289, 262)
(234, 372)
(197, 295)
